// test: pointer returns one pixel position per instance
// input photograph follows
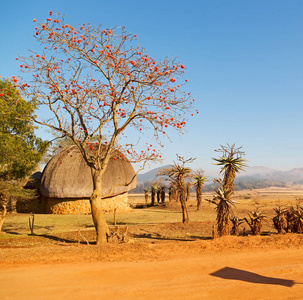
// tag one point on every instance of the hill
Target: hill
(253, 177)
(150, 175)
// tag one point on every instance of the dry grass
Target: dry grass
(16, 225)
(154, 233)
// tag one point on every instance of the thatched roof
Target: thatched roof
(33, 181)
(67, 176)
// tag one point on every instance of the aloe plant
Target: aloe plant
(224, 204)
(232, 163)
(199, 180)
(255, 221)
(298, 219)
(177, 173)
(294, 217)
(146, 190)
(236, 225)
(279, 220)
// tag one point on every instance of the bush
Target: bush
(13, 191)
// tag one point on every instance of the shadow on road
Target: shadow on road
(241, 275)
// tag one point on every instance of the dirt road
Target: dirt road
(257, 274)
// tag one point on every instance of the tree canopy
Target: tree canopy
(20, 149)
(232, 163)
(96, 83)
(104, 93)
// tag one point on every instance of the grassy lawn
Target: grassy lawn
(18, 224)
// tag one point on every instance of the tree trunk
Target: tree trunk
(173, 193)
(153, 197)
(2, 216)
(187, 191)
(199, 187)
(223, 213)
(162, 194)
(158, 195)
(98, 216)
(146, 197)
(185, 218)
(229, 178)
(199, 197)
(182, 198)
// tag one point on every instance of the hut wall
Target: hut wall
(70, 207)
(82, 206)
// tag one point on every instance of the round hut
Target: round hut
(66, 183)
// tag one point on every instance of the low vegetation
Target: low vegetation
(199, 180)
(163, 221)
(10, 192)
(255, 221)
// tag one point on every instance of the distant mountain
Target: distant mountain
(257, 171)
(253, 177)
(150, 175)
(261, 178)
(298, 172)
(291, 176)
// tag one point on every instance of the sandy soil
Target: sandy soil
(152, 267)
(254, 275)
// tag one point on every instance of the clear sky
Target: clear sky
(244, 63)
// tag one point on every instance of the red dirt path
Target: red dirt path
(225, 268)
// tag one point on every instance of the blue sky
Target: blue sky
(244, 64)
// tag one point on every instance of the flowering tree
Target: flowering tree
(97, 88)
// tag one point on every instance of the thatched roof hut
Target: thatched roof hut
(33, 181)
(67, 178)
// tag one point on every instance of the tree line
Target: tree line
(242, 183)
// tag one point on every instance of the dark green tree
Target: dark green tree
(20, 149)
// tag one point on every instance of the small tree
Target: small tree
(146, 190)
(223, 201)
(232, 163)
(98, 86)
(158, 194)
(20, 149)
(295, 219)
(199, 180)
(10, 193)
(173, 191)
(162, 194)
(290, 218)
(279, 220)
(255, 222)
(153, 194)
(3, 210)
(188, 185)
(235, 230)
(177, 173)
